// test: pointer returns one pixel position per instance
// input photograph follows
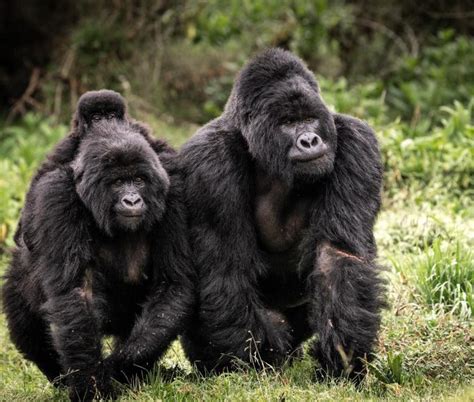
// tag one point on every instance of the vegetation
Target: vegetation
(415, 90)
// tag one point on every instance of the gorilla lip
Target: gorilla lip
(131, 215)
(307, 158)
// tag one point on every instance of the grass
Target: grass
(422, 356)
(425, 236)
(445, 277)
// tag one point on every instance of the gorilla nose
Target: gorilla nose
(132, 201)
(308, 141)
(308, 146)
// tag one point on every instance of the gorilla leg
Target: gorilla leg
(29, 332)
(346, 311)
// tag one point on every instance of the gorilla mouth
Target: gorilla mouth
(129, 220)
(308, 158)
(131, 215)
(305, 157)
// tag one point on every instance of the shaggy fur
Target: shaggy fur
(244, 312)
(79, 273)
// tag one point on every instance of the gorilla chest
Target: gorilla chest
(127, 260)
(280, 227)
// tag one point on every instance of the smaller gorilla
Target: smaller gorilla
(100, 250)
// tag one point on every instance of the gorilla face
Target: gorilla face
(289, 130)
(120, 179)
(307, 128)
(311, 152)
(129, 204)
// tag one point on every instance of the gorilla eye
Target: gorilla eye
(118, 182)
(139, 181)
(111, 116)
(95, 117)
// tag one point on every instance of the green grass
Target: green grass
(444, 275)
(425, 235)
(423, 355)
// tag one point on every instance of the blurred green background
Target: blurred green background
(406, 67)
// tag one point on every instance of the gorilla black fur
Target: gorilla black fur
(101, 249)
(282, 195)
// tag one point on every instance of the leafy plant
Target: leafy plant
(442, 72)
(389, 371)
(432, 165)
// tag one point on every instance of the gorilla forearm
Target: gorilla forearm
(76, 337)
(74, 330)
(348, 301)
(165, 315)
(256, 336)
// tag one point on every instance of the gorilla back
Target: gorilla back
(282, 197)
(100, 250)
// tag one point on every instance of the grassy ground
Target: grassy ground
(425, 235)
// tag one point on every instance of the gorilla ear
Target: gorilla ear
(97, 105)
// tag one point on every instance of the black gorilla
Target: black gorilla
(100, 250)
(282, 197)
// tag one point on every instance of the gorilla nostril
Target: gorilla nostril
(315, 141)
(305, 144)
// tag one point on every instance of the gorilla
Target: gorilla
(100, 250)
(282, 195)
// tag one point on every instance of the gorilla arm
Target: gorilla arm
(346, 283)
(59, 216)
(232, 318)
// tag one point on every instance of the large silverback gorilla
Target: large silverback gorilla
(101, 249)
(282, 197)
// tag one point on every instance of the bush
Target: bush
(432, 165)
(442, 72)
